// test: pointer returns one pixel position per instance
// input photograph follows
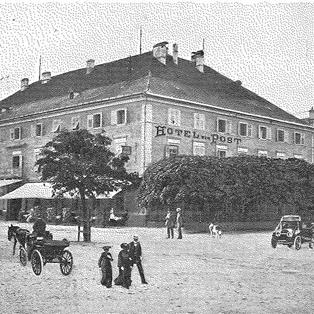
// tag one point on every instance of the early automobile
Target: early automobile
(291, 231)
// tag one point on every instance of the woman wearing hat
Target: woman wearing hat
(104, 263)
(125, 267)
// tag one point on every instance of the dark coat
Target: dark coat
(135, 251)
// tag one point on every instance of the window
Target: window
(224, 126)
(39, 129)
(172, 150)
(299, 138)
(264, 132)
(262, 153)
(16, 162)
(281, 135)
(119, 117)
(56, 126)
(198, 149)
(75, 123)
(118, 144)
(174, 117)
(15, 134)
(245, 129)
(94, 120)
(221, 151)
(199, 121)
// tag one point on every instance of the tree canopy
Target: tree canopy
(227, 188)
(78, 162)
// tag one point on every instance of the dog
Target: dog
(215, 231)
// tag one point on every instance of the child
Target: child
(105, 264)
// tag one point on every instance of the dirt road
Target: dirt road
(239, 273)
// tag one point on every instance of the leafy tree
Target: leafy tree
(80, 162)
(228, 188)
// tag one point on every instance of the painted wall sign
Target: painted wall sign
(213, 138)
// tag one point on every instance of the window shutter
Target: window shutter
(268, 130)
(90, 121)
(20, 133)
(196, 120)
(286, 136)
(33, 130)
(302, 138)
(202, 122)
(12, 134)
(178, 118)
(43, 129)
(249, 129)
(229, 127)
(126, 116)
(113, 117)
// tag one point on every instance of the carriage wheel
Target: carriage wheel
(23, 256)
(66, 262)
(37, 262)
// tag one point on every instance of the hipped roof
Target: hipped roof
(142, 74)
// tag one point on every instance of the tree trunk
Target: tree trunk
(86, 221)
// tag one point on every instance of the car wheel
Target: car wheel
(289, 246)
(297, 243)
(273, 243)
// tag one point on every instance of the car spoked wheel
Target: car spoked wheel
(297, 243)
(23, 256)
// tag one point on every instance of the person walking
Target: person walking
(135, 251)
(125, 267)
(169, 223)
(104, 263)
(179, 223)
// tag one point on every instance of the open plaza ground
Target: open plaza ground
(239, 273)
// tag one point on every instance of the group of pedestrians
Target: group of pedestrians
(129, 255)
(172, 220)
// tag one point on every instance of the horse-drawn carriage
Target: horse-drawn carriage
(40, 250)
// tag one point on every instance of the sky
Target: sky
(269, 47)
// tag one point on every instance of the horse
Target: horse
(19, 234)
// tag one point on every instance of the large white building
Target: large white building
(152, 105)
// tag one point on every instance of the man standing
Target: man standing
(179, 223)
(135, 251)
(170, 222)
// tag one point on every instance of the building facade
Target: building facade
(152, 106)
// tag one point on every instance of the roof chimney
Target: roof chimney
(311, 114)
(175, 53)
(160, 52)
(198, 58)
(46, 77)
(24, 83)
(90, 64)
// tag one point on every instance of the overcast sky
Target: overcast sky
(269, 47)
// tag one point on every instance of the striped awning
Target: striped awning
(44, 191)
